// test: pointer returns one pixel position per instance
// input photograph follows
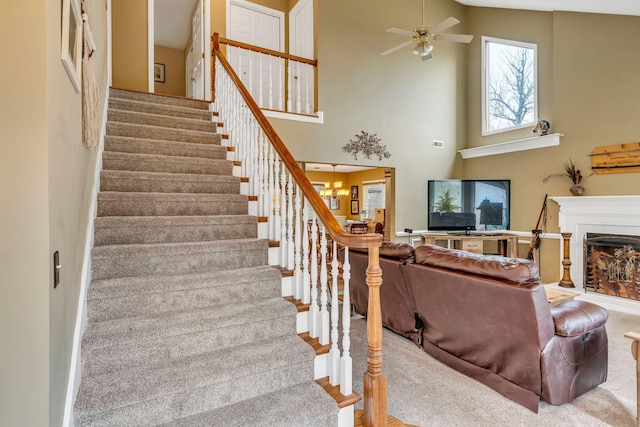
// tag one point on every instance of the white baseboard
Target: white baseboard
(81, 316)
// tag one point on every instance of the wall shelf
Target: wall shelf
(512, 146)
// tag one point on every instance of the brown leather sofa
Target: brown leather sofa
(488, 317)
(398, 312)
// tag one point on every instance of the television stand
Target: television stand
(506, 244)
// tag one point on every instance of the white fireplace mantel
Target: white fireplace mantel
(580, 215)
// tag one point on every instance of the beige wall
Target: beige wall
(174, 62)
(407, 102)
(45, 180)
(24, 219)
(589, 92)
(130, 47)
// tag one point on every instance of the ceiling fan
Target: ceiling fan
(424, 35)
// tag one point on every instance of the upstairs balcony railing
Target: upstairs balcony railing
(308, 236)
(276, 81)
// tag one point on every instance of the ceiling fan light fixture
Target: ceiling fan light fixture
(423, 49)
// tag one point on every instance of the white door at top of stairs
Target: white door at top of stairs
(301, 34)
(196, 60)
(260, 26)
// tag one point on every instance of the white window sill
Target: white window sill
(512, 146)
(318, 118)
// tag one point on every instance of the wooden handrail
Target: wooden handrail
(326, 217)
(253, 48)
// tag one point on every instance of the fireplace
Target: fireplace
(600, 215)
(612, 265)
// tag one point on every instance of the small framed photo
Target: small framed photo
(354, 192)
(355, 209)
(334, 203)
(71, 50)
(158, 72)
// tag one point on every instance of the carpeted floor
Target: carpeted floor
(424, 392)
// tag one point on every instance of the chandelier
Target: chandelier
(333, 190)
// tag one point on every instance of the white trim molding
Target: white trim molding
(535, 142)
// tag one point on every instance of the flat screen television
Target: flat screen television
(468, 204)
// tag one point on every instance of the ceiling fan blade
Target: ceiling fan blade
(459, 38)
(393, 49)
(399, 31)
(447, 23)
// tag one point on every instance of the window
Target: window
(373, 196)
(509, 85)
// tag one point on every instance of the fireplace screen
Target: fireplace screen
(612, 265)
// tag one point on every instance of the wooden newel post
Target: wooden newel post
(375, 382)
(566, 281)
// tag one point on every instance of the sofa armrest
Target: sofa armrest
(574, 318)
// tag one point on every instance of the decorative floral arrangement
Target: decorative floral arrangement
(571, 172)
(367, 144)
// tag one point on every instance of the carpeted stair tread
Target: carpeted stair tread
(158, 99)
(162, 133)
(183, 336)
(165, 182)
(197, 375)
(124, 286)
(154, 259)
(170, 164)
(178, 322)
(305, 404)
(162, 109)
(204, 291)
(125, 144)
(110, 230)
(114, 203)
(150, 119)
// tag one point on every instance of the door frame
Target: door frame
(207, 52)
(292, 22)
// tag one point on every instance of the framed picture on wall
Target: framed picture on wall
(354, 192)
(158, 72)
(71, 50)
(355, 209)
(334, 203)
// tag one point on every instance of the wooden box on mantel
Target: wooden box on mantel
(619, 158)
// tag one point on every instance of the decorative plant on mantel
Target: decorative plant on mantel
(574, 174)
(367, 144)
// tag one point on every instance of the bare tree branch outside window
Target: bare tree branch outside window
(511, 87)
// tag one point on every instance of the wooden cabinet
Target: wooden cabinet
(507, 244)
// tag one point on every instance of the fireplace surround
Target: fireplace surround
(579, 215)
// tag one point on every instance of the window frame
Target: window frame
(365, 195)
(485, 82)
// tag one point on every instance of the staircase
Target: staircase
(187, 325)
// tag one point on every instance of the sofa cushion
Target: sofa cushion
(397, 251)
(510, 269)
(574, 318)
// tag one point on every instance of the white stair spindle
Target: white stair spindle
(305, 235)
(334, 353)
(297, 265)
(270, 82)
(278, 204)
(289, 246)
(289, 86)
(346, 369)
(260, 83)
(298, 92)
(314, 309)
(324, 285)
(284, 217)
(272, 193)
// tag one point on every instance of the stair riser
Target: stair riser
(157, 186)
(147, 119)
(169, 208)
(156, 351)
(145, 305)
(173, 233)
(170, 264)
(164, 409)
(158, 99)
(167, 166)
(165, 148)
(165, 134)
(166, 110)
